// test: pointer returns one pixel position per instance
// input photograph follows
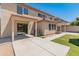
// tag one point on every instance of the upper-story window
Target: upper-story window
(40, 15)
(25, 11)
(44, 17)
(19, 9)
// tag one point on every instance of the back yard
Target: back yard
(65, 40)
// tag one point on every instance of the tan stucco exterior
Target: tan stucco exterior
(44, 28)
(8, 13)
(0, 20)
(5, 18)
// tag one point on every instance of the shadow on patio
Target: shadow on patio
(9, 39)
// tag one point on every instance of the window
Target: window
(19, 9)
(25, 11)
(52, 27)
(49, 26)
(40, 15)
(44, 16)
(22, 27)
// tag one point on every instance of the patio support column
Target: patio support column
(65, 28)
(36, 28)
(56, 27)
(60, 29)
(12, 30)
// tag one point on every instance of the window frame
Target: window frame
(25, 12)
(19, 9)
(40, 15)
(52, 26)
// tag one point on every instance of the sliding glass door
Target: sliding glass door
(22, 28)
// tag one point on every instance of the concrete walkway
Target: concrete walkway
(52, 47)
(26, 47)
(52, 37)
(36, 46)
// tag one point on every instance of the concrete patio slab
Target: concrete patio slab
(52, 37)
(36, 46)
(52, 47)
(26, 47)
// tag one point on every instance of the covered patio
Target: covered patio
(24, 19)
(62, 27)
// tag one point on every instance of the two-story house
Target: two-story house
(20, 18)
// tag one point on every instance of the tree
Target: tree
(77, 18)
(76, 22)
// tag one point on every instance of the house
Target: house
(18, 18)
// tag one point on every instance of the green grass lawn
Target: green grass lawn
(74, 50)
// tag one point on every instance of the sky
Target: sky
(65, 11)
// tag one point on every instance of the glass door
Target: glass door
(22, 28)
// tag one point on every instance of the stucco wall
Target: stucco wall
(73, 29)
(44, 27)
(6, 11)
(0, 27)
(9, 6)
(32, 12)
(40, 27)
(0, 19)
(46, 30)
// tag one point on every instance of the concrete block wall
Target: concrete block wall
(73, 29)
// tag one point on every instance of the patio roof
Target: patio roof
(26, 16)
(55, 21)
(31, 18)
